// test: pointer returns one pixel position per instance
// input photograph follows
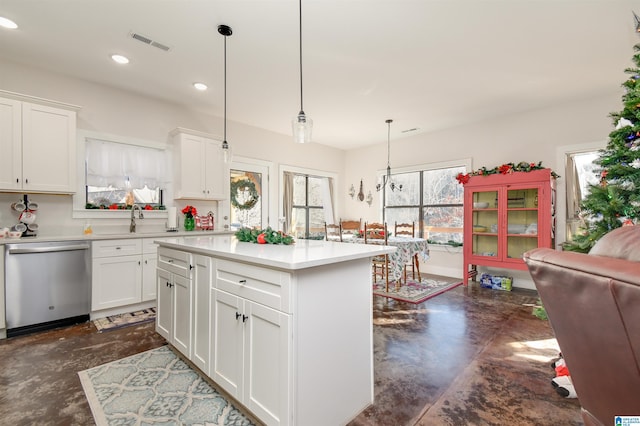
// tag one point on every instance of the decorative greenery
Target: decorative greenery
(504, 170)
(190, 212)
(615, 200)
(120, 206)
(244, 185)
(263, 236)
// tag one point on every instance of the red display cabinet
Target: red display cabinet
(506, 215)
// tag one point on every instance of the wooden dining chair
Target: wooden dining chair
(332, 232)
(376, 233)
(409, 230)
(350, 227)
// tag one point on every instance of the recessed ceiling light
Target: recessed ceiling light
(120, 59)
(7, 23)
(200, 86)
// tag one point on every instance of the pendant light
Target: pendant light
(302, 125)
(386, 179)
(225, 30)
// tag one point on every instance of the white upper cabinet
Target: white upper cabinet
(38, 143)
(200, 171)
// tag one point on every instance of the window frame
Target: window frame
(464, 162)
(308, 172)
(79, 198)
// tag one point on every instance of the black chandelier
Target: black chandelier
(386, 179)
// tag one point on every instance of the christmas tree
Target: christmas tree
(615, 201)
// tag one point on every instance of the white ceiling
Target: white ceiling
(427, 64)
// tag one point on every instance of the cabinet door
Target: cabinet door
(200, 314)
(181, 338)
(215, 171)
(227, 321)
(267, 382)
(191, 167)
(149, 264)
(10, 144)
(48, 149)
(116, 281)
(164, 310)
(522, 221)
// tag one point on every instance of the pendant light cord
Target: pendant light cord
(301, 103)
(225, 89)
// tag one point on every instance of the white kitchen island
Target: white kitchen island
(286, 330)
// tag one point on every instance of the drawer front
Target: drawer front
(175, 261)
(111, 248)
(266, 286)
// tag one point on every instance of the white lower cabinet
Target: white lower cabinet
(116, 276)
(173, 321)
(123, 272)
(251, 356)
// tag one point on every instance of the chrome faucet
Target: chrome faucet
(132, 226)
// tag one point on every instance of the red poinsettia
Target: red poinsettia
(148, 207)
(505, 168)
(463, 178)
(190, 211)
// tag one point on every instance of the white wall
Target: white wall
(117, 112)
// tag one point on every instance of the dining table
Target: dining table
(407, 249)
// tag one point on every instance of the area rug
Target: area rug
(155, 388)
(115, 322)
(416, 291)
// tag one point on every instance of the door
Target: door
(227, 346)
(182, 314)
(116, 281)
(10, 144)
(201, 321)
(149, 264)
(249, 195)
(164, 294)
(48, 148)
(267, 361)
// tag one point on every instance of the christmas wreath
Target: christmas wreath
(245, 185)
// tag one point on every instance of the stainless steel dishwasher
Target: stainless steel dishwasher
(47, 285)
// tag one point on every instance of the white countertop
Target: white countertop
(109, 236)
(303, 254)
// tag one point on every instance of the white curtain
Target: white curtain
(123, 165)
(327, 200)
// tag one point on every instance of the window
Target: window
(433, 199)
(118, 175)
(581, 172)
(310, 204)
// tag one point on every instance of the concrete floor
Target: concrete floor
(470, 356)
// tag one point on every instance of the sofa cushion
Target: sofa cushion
(621, 243)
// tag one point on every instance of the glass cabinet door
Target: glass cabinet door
(485, 224)
(522, 221)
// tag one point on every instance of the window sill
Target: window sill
(116, 214)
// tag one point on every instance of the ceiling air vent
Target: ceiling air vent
(147, 40)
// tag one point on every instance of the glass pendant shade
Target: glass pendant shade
(302, 126)
(226, 152)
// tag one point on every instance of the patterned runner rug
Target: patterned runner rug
(155, 388)
(124, 320)
(414, 291)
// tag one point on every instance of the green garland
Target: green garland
(244, 184)
(263, 236)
